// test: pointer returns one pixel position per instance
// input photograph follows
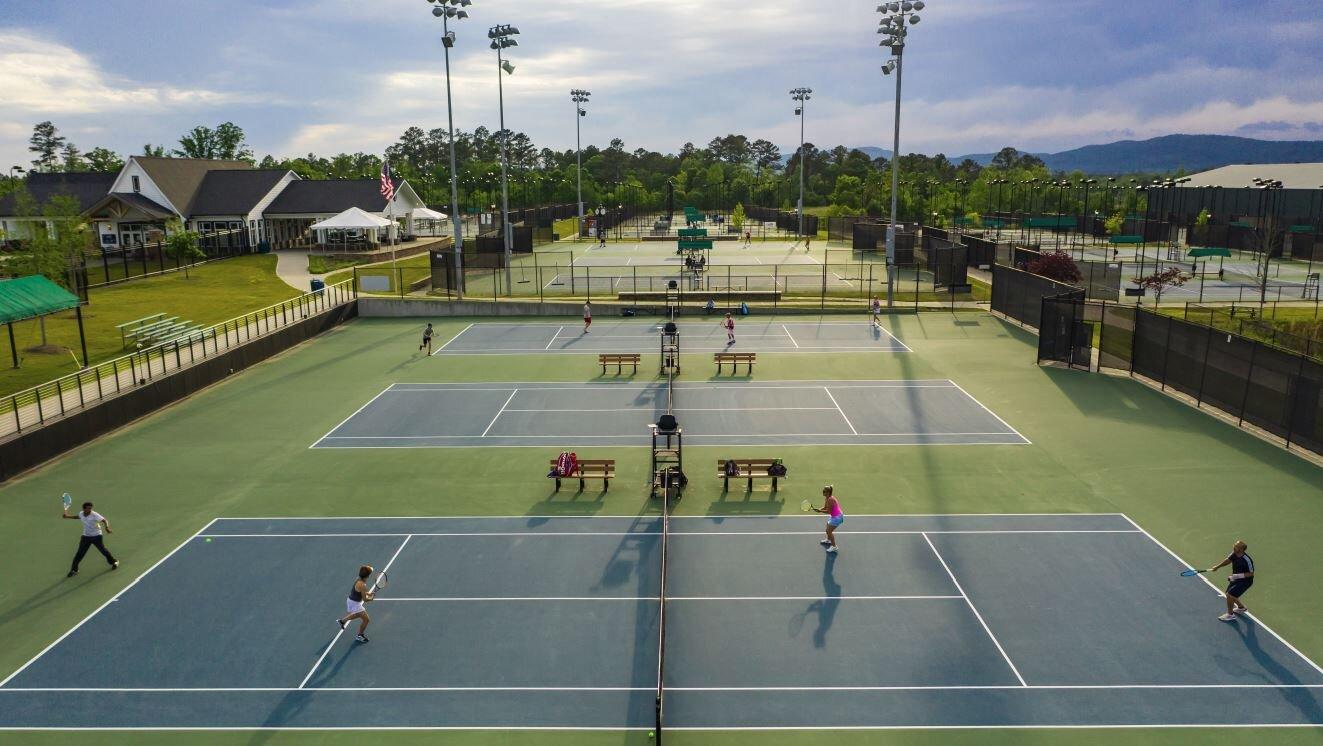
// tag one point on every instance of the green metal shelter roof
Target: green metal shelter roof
(32, 296)
(1206, 252)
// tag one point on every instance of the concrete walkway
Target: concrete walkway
(292, 267)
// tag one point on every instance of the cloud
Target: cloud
(44, 78)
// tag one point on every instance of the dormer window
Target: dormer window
(137, 185)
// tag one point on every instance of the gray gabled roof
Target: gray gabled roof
(86, 187)
(179, 178)
(330, 197)
(233, 192)
(148, 206)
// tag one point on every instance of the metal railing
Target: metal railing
(35, 406)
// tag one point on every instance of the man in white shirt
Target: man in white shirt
(93, 523)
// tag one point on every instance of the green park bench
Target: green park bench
(1125, 239)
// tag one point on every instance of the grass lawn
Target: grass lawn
(565, 228)
(318, 265)
(380, 268)
(211, 293)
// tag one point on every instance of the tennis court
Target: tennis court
(632, 336)
(452, 415)
(921, 621)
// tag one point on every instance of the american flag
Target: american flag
(387, 184)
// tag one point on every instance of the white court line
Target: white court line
(568, 436)
(452, 339)
(792, 337)
(835, 383)
(974, 609)
(989, 411)
(1216, 590)
(616, 729)
(553, 338)
(499, 413)
(845, 688)
(112, 600)
(838, 409)
(862, 532)
(674, 517)
(683, 409)
(340, 424)
(336, 639)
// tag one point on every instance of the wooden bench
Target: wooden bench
(734, 358)
(603, 469)
(750, 469)
(620, 360)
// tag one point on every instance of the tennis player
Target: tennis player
(831, 506)
(93, 523)
(427, 339)
(729, 323)
(587, 315)
(877, 311)
(1240, 580)
(359, 595)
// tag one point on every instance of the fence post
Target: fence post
(822, 297)
(1249, 376)
(588, 275)
(776, 286)
(1289, 410)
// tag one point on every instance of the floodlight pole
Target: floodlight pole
(801, 96)
(580, 97)
(499, 36)
(898, 50)
(456, 220)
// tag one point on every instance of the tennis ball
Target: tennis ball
(208, 540)
(651, 734)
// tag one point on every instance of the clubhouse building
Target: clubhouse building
(249, 206)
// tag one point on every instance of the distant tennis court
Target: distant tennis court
(441, 415)
(940, 621)
(632, 336)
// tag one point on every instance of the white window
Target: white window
(137, 185)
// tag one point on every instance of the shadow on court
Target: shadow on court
(1301, 699)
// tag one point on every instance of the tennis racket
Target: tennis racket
(1192, 573)
(806, 506)
(67, 499)
(381, 581)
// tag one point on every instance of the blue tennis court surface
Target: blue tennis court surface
(695, 336)
(920, 621)
(617, 413)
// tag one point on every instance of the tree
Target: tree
(46, 142)
(973, 219)
(154, 151)
(1161, 280)
(103, 160)
(1115, 224)
(73, 158)
(230, 143)
(182, 245)
(199, 142)
(737, 216)
(1055, 265)
(1202, 222)
(848, 194)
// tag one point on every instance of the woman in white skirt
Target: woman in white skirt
(354, 605)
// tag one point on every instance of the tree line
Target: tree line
(727, 171)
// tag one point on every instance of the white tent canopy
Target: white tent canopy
(352, 219)
(423, 213)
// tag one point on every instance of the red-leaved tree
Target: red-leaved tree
(1056, 265)
(1161, 280)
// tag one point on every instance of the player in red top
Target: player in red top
(729, 323)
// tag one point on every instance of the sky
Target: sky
(329, 76)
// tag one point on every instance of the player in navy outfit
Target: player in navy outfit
(1240, 580)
